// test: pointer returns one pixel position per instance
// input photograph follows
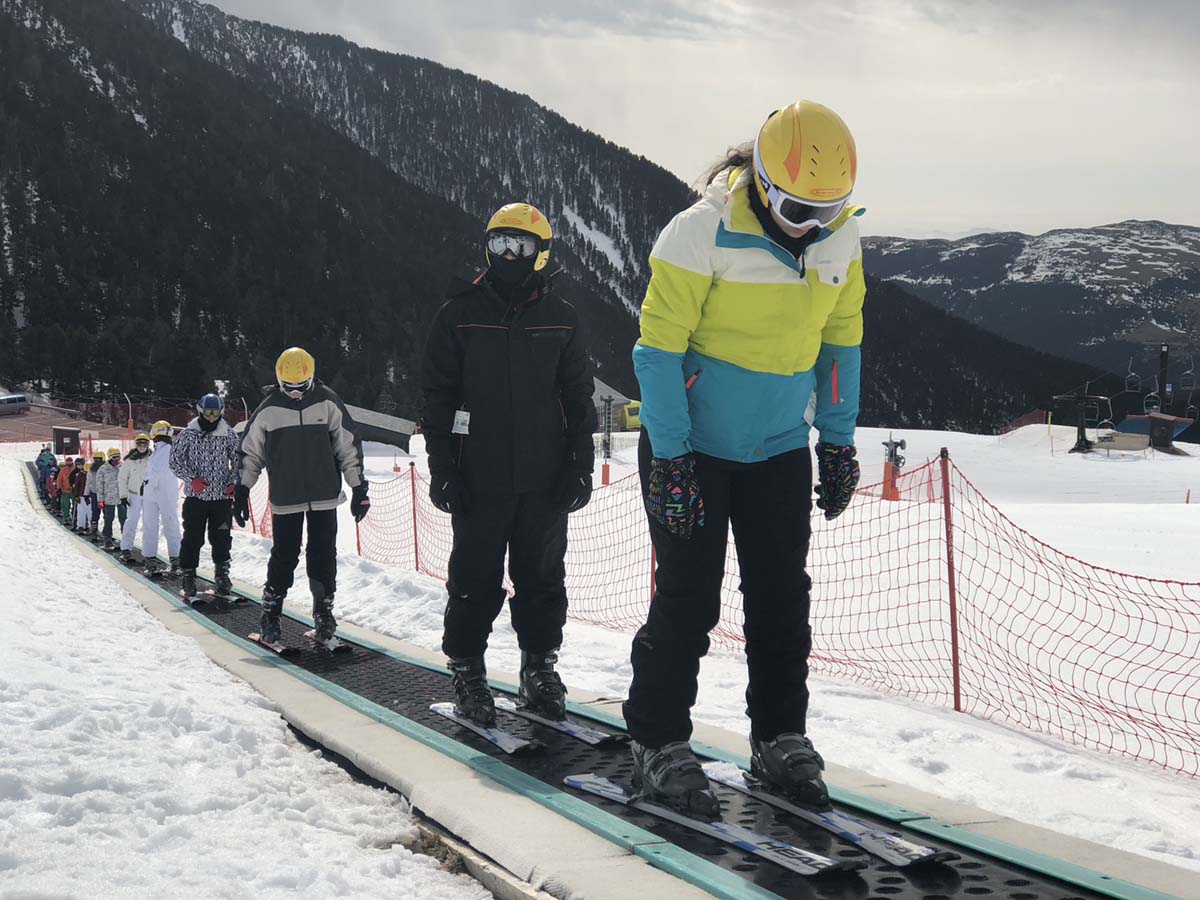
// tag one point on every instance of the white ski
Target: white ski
(333, 645)
(888, 847)
(803, 862)
(592, 736)
(505, 740)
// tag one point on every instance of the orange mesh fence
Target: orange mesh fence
(935, 596)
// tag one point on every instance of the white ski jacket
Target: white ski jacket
(160, 482)
(131, 475)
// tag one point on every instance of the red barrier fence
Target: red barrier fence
(937, 597)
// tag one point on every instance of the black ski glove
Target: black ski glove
(241, 505)
(124, 503)
(574, 492)
(448, 493)
(673, 495)
(360, 503)
(839, 477)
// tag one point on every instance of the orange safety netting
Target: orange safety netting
(991, 621)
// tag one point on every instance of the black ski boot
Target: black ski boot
(268, 624)
(174, 570)
(187, 585)
(789, 765)
(472, 697)
(127, 556)
(671, 775)
(153, 567)
(222, 584)
(542, 691)
(322, 611)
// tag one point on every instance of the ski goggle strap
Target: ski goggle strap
(521, 245)
(797, 211)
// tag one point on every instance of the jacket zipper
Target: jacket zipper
(307, 492)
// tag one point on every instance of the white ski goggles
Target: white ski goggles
(296, 390)
(519, 244)
(797, 211)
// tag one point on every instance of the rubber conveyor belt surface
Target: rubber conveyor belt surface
(408, 688)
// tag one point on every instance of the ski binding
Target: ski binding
(888, 847)
(592, 736)
(333, 645)
(279, 646)
(507, 741)
(803, 862)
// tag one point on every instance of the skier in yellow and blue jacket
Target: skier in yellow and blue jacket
(750, 334)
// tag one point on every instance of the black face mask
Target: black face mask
(207, 424)
(510, 272)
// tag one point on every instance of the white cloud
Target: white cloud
(1023, 114)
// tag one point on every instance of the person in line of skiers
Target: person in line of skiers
(94, 477)
(66, 478)
(51, 485)
(45, 459)
(753, 310)
(103, 482)
(205, 459)
(80, 499)
(303, 436)
(508, 422)
(130, 478)
(160, 503)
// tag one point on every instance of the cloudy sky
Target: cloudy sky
(1021, 114)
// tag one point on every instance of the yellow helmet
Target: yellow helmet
(161, 428)
(113, 452)
(98, 454)
(295, 370)
(142, 436)
(528, 219)
(805, 163)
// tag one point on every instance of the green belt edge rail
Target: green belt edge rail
(659, 853)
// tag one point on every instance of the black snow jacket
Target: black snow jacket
(521, 372)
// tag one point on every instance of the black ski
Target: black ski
(865, 836)
(803, 862)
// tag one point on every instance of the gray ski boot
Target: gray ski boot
(671, 776)
(187, 583)
(268, 624)
(222, 584)
(174, 571)
(541, 690)
(322, 611)
(152, 567)
(127, 556)
(472, 697)
(789, 765)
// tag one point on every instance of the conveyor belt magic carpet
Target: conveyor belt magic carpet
(407, 687)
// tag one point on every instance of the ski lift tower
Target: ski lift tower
(893, 462)
(1084, 404)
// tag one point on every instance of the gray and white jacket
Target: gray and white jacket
(307, 446)
(211, 455)
(102, 481)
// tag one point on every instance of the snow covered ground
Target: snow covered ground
(132, 766)
(1126, 512)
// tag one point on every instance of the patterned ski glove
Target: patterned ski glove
(673, 495)
(839, 477)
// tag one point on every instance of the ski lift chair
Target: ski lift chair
(1091, 413)
(1187, 381)
(1133, 381)
(1151, 403)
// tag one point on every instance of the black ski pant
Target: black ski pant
(213, 516)
(95, 513)
(320, 552)
(533, 529)
(768, 504)
(108, 512)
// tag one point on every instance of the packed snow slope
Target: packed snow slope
(132, 766)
